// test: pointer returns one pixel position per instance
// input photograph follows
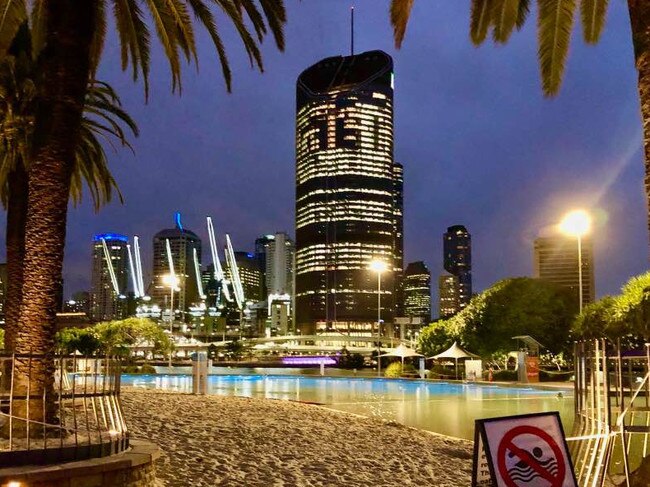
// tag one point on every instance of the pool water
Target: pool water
(442, 407)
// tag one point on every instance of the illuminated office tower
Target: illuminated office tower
(249, 274)
(417, 292)
(556, 260)
(182, 243)
(109, 277)
(398, 235)
(457, 244)
(448, 304)
(346, 182)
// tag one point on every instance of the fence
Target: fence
(59, 408)
(612, 408)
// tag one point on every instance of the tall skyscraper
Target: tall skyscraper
(417, 291)
(280, 255)
(448, 304)
(109, 277)
(249, 274)
(184, 245)
(398, 229)
(556, 260)
(261, 244)
(346, 182)
(457, 244)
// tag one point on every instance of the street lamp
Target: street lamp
(171, 281)
(577, 223)
(378, 266)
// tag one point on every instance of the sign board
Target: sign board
(532, 369)
(528, 450)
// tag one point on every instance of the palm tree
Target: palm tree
(103, 117)
(554, 25)
(68, 37)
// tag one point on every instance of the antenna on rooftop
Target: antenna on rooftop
(352, 30)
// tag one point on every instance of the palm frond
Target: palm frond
(38, 18)
(504, 19)
(555, 22)
(593, 13)
(234, 14)
(203, 14)
(254, 15)
(400, 11)
(167, 36)
(134, 38)
(480, 20)
(524, 10)
(13, 13)
(276, 16)
(185, 30)
(99, 36)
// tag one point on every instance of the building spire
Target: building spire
(352, 31)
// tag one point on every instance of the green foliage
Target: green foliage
(2, 339)
(395, 370)
(511, 307)
(82, 340)
(625, 316)
(114, 338)
(504, 375)
(117, 336)
(555, 376)
(349, 360)
(234, 350)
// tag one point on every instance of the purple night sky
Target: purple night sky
(479, 143)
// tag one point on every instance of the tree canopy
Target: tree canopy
(625, 316)
(511, 307)
(114, 337)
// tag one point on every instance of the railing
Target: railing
(612, 427)
(59, 408)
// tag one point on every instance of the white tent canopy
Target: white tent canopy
(454, 352)
(402, 351)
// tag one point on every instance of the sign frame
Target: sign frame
(480, 439)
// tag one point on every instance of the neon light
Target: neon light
(177, 219)
(109, 264)
(315, 360)
(218, 270)
(134, 276)
(110, 236)
(138, 264)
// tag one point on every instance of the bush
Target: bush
(504, 375)
(395, 370)
(555, 376)
(147, 369)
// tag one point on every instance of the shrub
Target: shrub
(395, 370)
(504, 375)
(147, 369)
(554, 376)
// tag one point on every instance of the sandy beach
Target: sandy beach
(233, 441)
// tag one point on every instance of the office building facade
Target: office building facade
(185, 253)
(109, 278)
(249, 275)
(457, 248)
(346, 182)
(417, 291)
(556, 260)
(448, 300)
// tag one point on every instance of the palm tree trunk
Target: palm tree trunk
(640, 22)
(16, 217)
(65, 71)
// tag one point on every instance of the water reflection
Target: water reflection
(435, 406)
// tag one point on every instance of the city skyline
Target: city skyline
(537, 183)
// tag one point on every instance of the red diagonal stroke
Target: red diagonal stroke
(532, 462)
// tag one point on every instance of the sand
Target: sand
(234, 441)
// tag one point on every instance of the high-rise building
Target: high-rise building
(79, 303)
(346, 200)
(185, 250)
(249, 274)
(417, 291)
(457, 244)
(448, 302)
(109, 277)
(556, 260)
(261, 244)
(280, 255)
(398, 229)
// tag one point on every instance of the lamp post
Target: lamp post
(172, 281)
(577, 223)
(378, 266)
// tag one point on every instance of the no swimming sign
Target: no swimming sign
(517, 451)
